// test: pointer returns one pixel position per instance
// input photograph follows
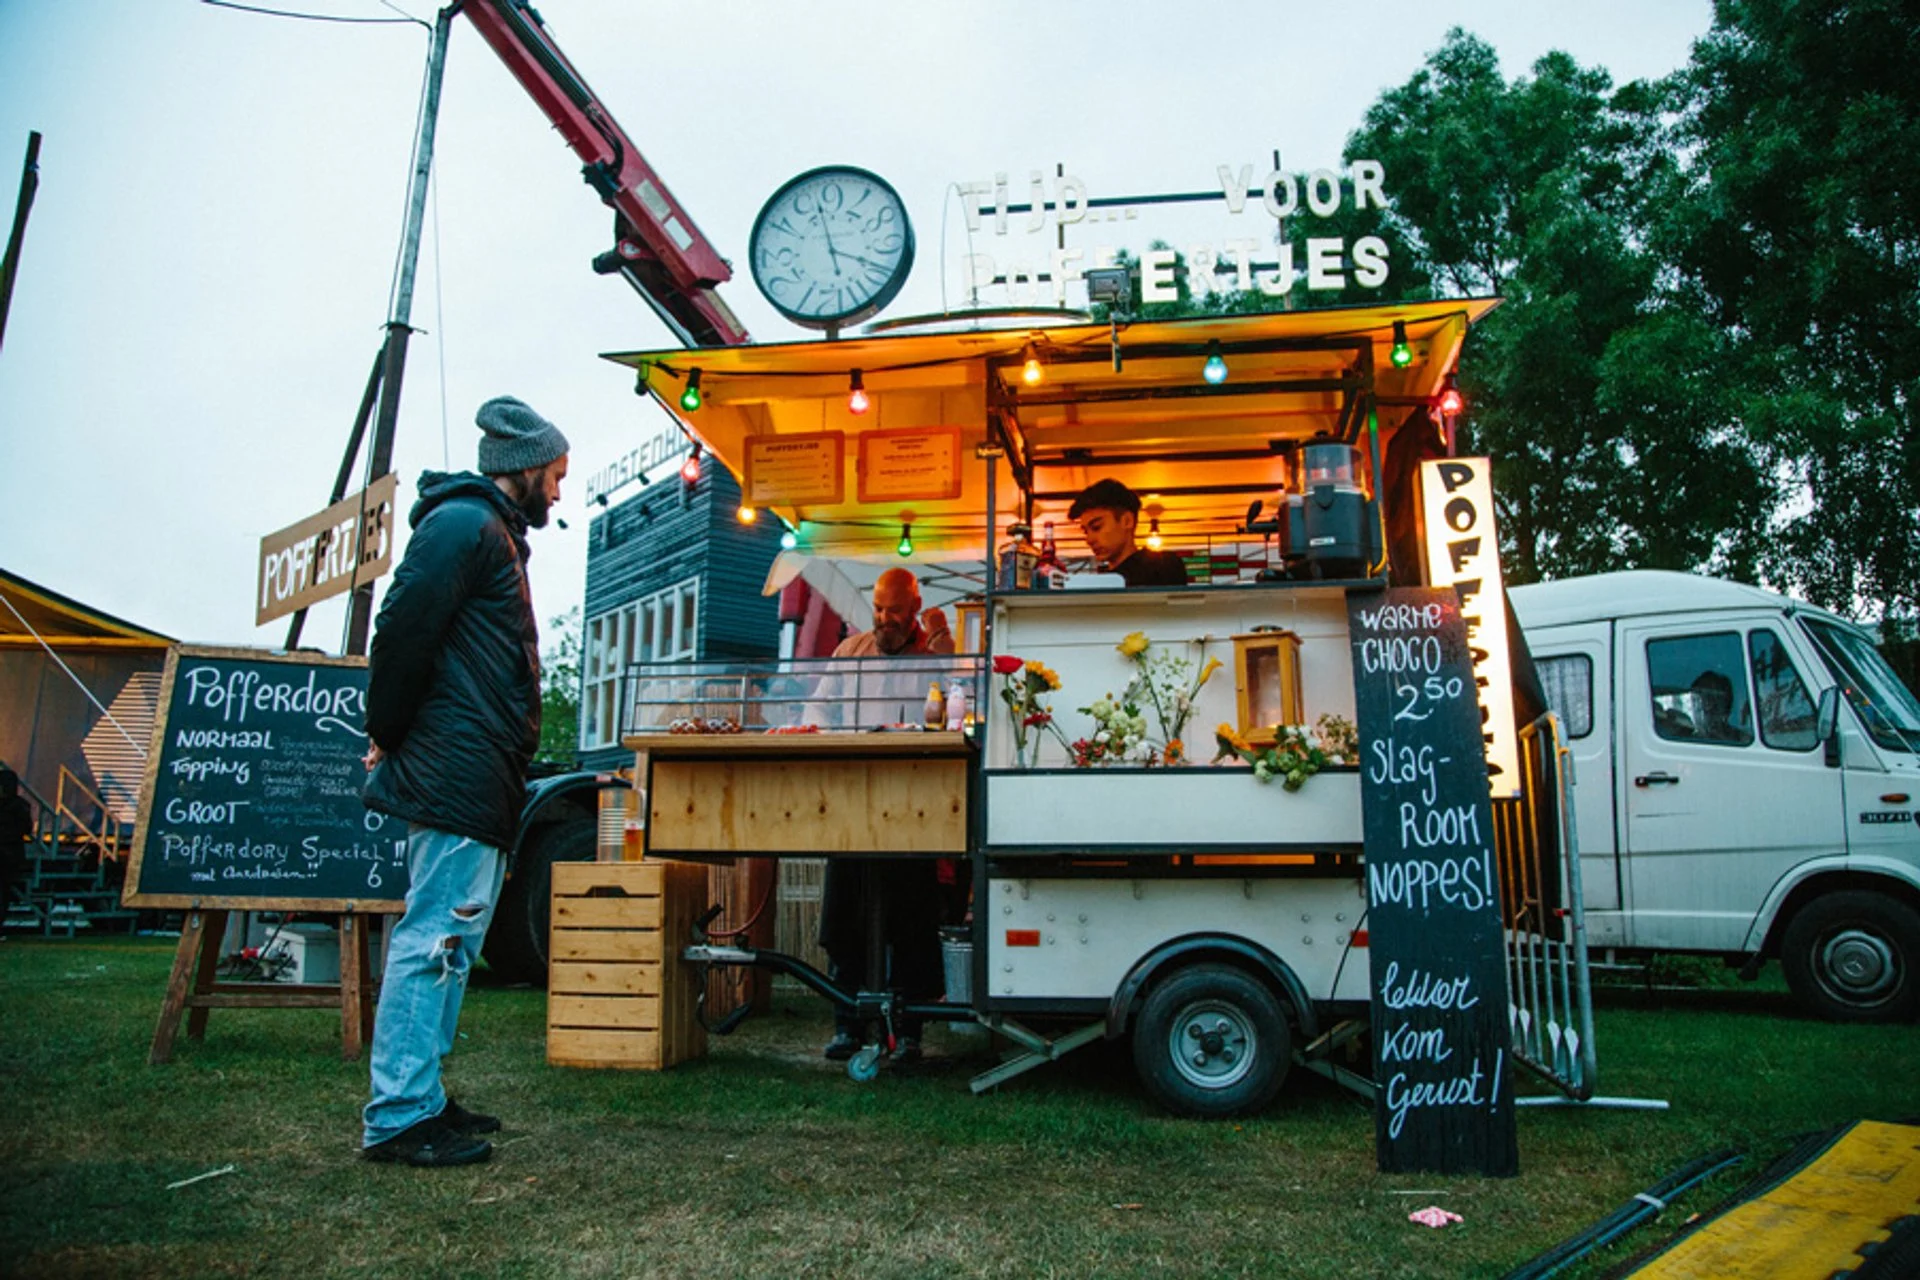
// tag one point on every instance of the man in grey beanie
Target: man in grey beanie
(453, 718)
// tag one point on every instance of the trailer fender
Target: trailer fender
(1179, 952)
(557, 798)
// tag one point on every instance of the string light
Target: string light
(789, 540)
(1450, 401)
(690, 469)
(906, 540)
(1153, 534)
(746, 514)
(857, 399)
(1030, 372)
(1215, 370)
(1402, 354)
(690, 398)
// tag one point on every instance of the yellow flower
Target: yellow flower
(1047, 675)
(1134, 645)
(1230, 737)
(1213, 665)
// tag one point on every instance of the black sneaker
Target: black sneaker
(429, 1144)
(841, 1047)
(906, 1051)
(468, 1122)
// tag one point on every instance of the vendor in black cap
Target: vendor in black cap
(1107, 512)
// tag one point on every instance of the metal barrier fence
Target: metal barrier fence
(1551, 1000)
(795, 695)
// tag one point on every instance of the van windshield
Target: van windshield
(1887, 708)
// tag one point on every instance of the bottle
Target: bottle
(936, 713)
(1049, 573)
(957, 707)
(1017, 557)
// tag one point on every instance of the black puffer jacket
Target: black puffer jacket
(453, 684)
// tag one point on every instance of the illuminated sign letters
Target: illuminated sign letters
(1462, 551)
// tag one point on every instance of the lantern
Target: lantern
(1266, 679)
(970, 637)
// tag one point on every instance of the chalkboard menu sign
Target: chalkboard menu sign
(252, 795)
(1443, 1102)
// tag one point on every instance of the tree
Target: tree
(560, 690)
(1800, 226)
(1593, 386)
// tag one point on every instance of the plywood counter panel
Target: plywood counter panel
(808, 794)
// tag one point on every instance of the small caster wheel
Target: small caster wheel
(864, 1066)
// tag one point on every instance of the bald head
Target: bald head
(896, 607)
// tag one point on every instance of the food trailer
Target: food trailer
(1123, 882)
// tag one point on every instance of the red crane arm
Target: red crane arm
(658, 248)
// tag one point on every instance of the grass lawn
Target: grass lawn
(763, 1160)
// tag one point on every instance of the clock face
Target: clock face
(831, 247)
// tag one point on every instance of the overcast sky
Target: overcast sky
(207, 269)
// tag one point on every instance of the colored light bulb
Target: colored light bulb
(1215, 370)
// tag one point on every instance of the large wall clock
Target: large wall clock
(831, 247)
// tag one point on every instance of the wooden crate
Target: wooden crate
(618, 994)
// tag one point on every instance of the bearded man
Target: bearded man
(453, 719)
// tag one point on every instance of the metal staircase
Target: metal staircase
(75, 863)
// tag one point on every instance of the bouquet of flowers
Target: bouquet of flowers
(1297, 752)
(1170, 684)
(1025, 682)
(1119, 733)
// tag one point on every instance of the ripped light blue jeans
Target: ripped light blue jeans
(455, 884)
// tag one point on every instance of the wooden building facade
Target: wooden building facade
(672, 575)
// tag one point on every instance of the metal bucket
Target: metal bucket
(956, 952)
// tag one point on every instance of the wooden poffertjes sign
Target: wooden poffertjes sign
(1443, 1096)
(334, 551)
(253, 785)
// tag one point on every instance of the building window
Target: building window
(662, 627)
(1568, 682)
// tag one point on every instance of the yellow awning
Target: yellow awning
(32, 612)
(1193, 450)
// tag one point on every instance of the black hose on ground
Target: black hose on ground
(1806, 1148)
(1642, 1207)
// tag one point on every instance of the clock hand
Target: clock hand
(821, 218)
(865, 262)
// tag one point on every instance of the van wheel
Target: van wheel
(1211, 1041)
(1850, 957)
(516, 946)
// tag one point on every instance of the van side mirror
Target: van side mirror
(1826, 725)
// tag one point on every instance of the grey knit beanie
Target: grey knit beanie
(516, 438)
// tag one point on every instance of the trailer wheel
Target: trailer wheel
(1211, 1041)
(516, 946)
(1851, 957)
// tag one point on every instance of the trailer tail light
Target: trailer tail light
(1023, 937)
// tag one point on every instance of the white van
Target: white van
(1746, 777)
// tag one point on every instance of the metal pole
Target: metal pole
(345, 477)
(399, 326)
(29, 184)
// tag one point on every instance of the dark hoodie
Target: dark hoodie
(453, 681)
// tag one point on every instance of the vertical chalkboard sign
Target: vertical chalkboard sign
(252, 795)
(1443, 1100)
